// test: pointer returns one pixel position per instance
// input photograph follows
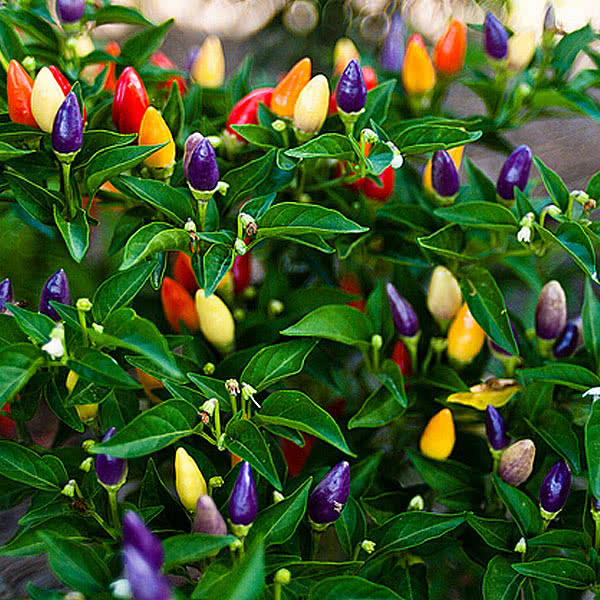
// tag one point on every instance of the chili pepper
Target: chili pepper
(438, 438)
(145, 582)
(286, 92)
(343, 52)
(154, 130)
(493, 392)
(550, 311)
(67, 130)
(70, 11)
(401, 356)
(550, 19)
(370, 77)
(296, 456)
(178, 305)
(350, 283)
(495, 38)
(19, 86)
(465, 337)
(351, 90)
(130, 102)
(418, 74)
(183, 272)
(515, 172)
(241, 272)
(208, 519)
(46, 98)
(243, 503)
(216, 322)
(444, 297)
(161, 60)
(191, 143)
(455, 153)
(327, 500)
(449, 52)
(495, 429)
(110, 470)
(444, 177)
(392, 49)
(568, 341)
(555, 489)
(208, 69)
(245, 112)
(189, 481)
(65, 86)
(8, 428)
(149, 384)
(311, 107)
(87, 412)
(137, 535)
(6, 295)
(406, 320)
(521, 48)
(202, 169)
(516, 463)
(56, 288)
(382, 190)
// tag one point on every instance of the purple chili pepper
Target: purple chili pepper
(328, 499)
(555, 487)
(6, 294)
(551, 311)
(516, 463)
(568, 341)
(70, 11)
(56, 288)
(67, 130)
(202, 169)
(136, 534)
(243, 503)
(110, 470)
(351, 91)
(405, 317)
(494, 428)
(392, 49)
(190, 145)
(515, 172)
(444, 176)
(495, 38)
(145, 580)
(208, 519)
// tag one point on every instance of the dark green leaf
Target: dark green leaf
(497, 533)
(36, 326)
(521, 508)
(429, 138)
(138, 48)
(592, 447)
(328, 145)
(75, 232)
(21, 464)
(150, 239)
(120, 14)
(100, 368)
(573, 376)
(569, 47)
(216, 263)
(348, 587)
(377, 104)
(35, 199)
(590, 316)
(555, 186)
(18, 363)
(190, 547)
(257, 135)
(500, 582)
(96, 141)
(559, 571)
(484, 215)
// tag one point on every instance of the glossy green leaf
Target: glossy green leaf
(555, 186)
(482, 187)
(246, 178)
(150, 239)
(522, 509)
(257, 135)
(351, 526)
(377, 104)
(429, 138)
(21, 464)
(569, 47)
(76, 232)
(216, 263)
(560, 538)
(573, 376)
(561, 571)
(328, 145)
(484, 215)
(18, 363)
(36, 326)
(497, 533)
(137, 49)
(348, 587)
(120, 14)
(447, 242)
(98, 140)
(592, 447)
(55, 398)
(100, 368)
(188, 548)
(34, 25)
(590, 316)
(500, 582)
(33, 198)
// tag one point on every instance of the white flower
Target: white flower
(595, 391)
(398, 159)
(524, 234)
(121, 589)
(55, 347)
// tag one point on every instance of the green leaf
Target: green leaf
(244, 439)
(278, 522)
(96, 141)
(191, 547)
(150, 239)
(55, 398)
(137, 49)
(152, 430)
(521, 508)
(36, 326)
(486, 304)
(339, 323)
(211, 388)
(328, 145)
(482, 187)
(7, 152)
(243, 180)
(174, 111)
(569, 375)
(348, 587)
(429, 138)
(18, 363)
(34, 25)
(33, 198)
(377, 104)
(562, 571)
(100, 368)
(257, 135)
(555, 186)
(276, 362)
(75, 232)
(21, 464)
(500, 582)
(484, 215)
(497, 533)
(592, 447)
(447, 242)
(536, 589)
(216, 263)
(120, 14)
(569, 47)
(11, 45)
(560, 538)
(351, 526)
(590, 316)
(290, 408)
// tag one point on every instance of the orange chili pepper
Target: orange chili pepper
(19, 86)
(178, 305)
(288, 89)
(438, 438)
(154, 130)
(465, 337)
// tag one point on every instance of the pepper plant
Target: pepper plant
(318, 362)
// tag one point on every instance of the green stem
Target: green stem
(286, 136)
(202, 205)
(277, 591)
(233, 400)
(83, 325)
(316, 542)
(597, 535)
(300, 186)
(427, 359)
(102, 524)
(114, 511)
(217, 414)
(70, 208)
(3, 61)
(356, 552)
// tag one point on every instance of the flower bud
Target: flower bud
(438, 437)
(216, 321)
(70, 11)
(444, 297)
(444, 176)
(145, 582)
(521, 48)
(178, 305)
(351, 91)
(311, 106)
(67, 130)
(465, 337)
(494, 428)
(6, 295)
(130, 102)
(515, 172)
(550, 19)
(343, 52)
(56, 288)
(202, 169)
(406, 321)
(555, 489)
(288, 89)
(516, 463)
(418, 74)
(243, 503)
(154, 130)
(71, 381)
(521, 546)
(328, 499)
(46, 98)
(208, 519)
(450, 50)
(416, 503)
(568, 341)
(137, 535)
(392, 49)
(495, 38)
(208, 68)
(550, 311)
(110, 470)
(189, 481)
(282, 577)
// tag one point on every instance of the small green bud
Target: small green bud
(208, 368)
(521, 546)
(417, 503)
(87, 445)
(275, 307)
(84, 305)
(377, 342)
(87, 464)
(282, 577)
(69, 489)
(277, 497)
(279, 125)
(368, 546)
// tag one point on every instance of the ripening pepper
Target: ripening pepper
(351, 90)
(406, 320)
(555, 489)
(465, 337)
(286, 92)
(516, 463)
(241, 273)
(495, 428)
(202, 170)
(401, 356)
(6, 294)
(208, 519)
(191, 143)
(568, 341)
(296, 456)
(551, 311)
(19, 86)
(160, 59)
(243, 503)
(46, 97)
(456, 155)
(370, 77)
(495, 38)
(438, 437)
(444, 297)
(310, 110)
(67, 130)
(521, 48)
(189, 481)
(392, 49)
(8, 428)
(418, 74)
(178, 305)
(208, 68)
(327, 500)
(183, 272)
(70, 11)
(343, 52)
(245, 112)
(56, 288)
(514, 172)
(150, 384)
(110, 470)
(86, 412)
(450, 50)
(137, 535)
(383, 189)
(216, 321)
(154, 130)
(444, 177)
(130, 102)
(110, 80)
(145, 582)
(350, 283)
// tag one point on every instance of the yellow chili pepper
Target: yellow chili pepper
(208, 68)
(465, 337)
(86, 412)
(311, 107)
(521, 47)
(154, 130)
(216, 321)
(438, 437)
(456, 155)
(288, 89)
(46, 98)
(343, 52)
(418, 74)
(189, 481)
(494, 392)
(444, 297)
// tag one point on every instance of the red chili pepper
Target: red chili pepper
(19, 86)
(350, 283)
(8, 428)
(449, 52)
(184, 274)
(241, 272)
(160, 59)
(178, 305)
(110, 81)
(245, 111)
(130, 102)
(64, 85)
(401, 357)
(296, 456)
(387, 183)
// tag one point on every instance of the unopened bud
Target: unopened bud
(84, 305)
(368, 546)
(233, 387)
(377, 342)
(368, 136)
(275, 307)
(209, 407)
(215, 482)
(282, 577)
(69, 489)
(240, 247)
(87, 464)
(277, 497)
(208, 368)
(190, 226)
(87, 445)
(521, 546)
(417, 503)
(234, 546)
(279, 125)
(239, 314)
